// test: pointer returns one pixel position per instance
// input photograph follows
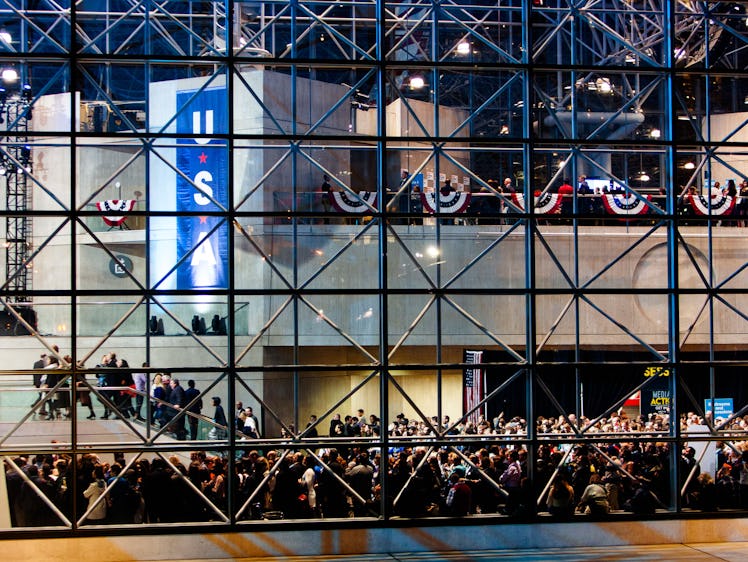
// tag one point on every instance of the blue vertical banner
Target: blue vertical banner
(205, 161)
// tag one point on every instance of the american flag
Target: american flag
(473, 386)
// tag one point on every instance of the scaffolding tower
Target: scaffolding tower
(15, 167)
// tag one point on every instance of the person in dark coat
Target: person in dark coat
(177, 400)
(189, 395)
(219, 418)
(39, 364)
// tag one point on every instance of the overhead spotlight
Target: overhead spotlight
(417, 82)
(463, 48)
(5, 36)
(689, 165)
(9, 75)
(655, 133)
(603, 85)
(643, 176)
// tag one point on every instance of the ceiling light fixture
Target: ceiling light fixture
(417, 82)
(9, 75)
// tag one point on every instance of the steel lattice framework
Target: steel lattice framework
(354, 296)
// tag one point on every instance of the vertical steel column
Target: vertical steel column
(530, 303)
(75, 77)
(295, 146)
(435, 72)
(575, 222)
(230, 67)
(381, 141)
(672, 250)
(147, 155)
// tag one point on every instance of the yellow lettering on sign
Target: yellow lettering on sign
(656, 372)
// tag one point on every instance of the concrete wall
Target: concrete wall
(416, 119)
(643, 267)
(729, 162)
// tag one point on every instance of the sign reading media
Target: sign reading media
(204, 161)
(655, 396)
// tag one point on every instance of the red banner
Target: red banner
(348, 203)
(453, 202)
(720, 204)
(545, 204)
(115, 205)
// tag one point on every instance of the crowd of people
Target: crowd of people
(480, 473)
(121, 393)
(483, 476)
(344, 482)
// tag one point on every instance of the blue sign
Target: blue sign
(722, 408)
(205, 162)
(417, 182)
(655, 396)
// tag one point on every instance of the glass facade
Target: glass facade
(366, 259)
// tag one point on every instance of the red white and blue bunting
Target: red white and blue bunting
(545, 204)
(622, 204)
(452, 203)
(721, 204)
(115, 205)
(348, 203)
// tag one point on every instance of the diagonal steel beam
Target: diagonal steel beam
(327, 320)
(263, 330)
(409, 330)
(475, 322)
(40, 495)
(265, 257)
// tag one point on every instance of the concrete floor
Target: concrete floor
(675, 552)
(698, 552)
